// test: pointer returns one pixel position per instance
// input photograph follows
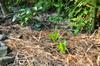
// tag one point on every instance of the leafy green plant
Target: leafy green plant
(62, 47)
(55, 36)
(24, 16)
(19, 2)
(77, 26)
(55, 19)
(82, 15)
(59, 6)
(43, 5)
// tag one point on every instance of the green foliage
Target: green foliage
(82, 15)
(42, 5)
(55, 36)
(55, 19)
(23, 15)
(59, 5)
(77, 26)
(62, 47)
(19, 2)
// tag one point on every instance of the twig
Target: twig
(89, 48)
(35, 38)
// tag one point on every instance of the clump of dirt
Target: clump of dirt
(34, 48)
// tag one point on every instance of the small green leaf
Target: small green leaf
(55, 36)
(62, 47)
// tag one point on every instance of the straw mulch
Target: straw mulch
(33, 48)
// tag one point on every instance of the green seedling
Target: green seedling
(62, 47)
(55, 36)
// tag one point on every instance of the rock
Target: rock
(3, 37)
(6, 60)
(3, 49)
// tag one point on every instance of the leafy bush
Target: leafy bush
(82, 15)
(42, 5)
(24, 16)
(55, 19)
(59, 5)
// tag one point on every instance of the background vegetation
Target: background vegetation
(81, 14)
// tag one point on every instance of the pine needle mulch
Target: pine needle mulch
(33, 48)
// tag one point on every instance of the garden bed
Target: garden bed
(34, 48)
